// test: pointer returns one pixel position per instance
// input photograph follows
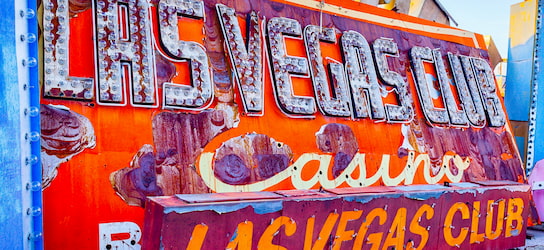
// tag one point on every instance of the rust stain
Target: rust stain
(488, 148)
(183, 136)
(166, 70)
(223, 87)
(168, 174)
(78, 6)
(167, 167)
(139, 180)
(251, 158)
(64, 133)
(339, 140)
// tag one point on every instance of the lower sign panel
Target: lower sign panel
(463, 215)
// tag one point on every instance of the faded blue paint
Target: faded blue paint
(234, 236)
(472, 191)
(517, 96)
(368, 198)
(422, 192)
(223, 197)
(422, 196)
(412, 188)
(314, 199)
(464, 185)
(11, 215)
(524, 98)
(520, 143)
(264, 207)
(538, 98)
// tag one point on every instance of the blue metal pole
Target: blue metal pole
(34, 186)
(20, 166)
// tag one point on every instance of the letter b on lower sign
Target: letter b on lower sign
(119, 235)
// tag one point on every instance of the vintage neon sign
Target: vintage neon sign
(361, 234)
(320, 219)
(352, 88)
(164, 97)
(358, 163)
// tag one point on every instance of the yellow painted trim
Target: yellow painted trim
(388, 6)
(415, 7)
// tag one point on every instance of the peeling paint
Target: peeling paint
(432, 219)
(420, 188)
(339, 140)
(250, 158)
(423, 196)
(64, 133)
(258, 207)
(138, 181)
(167, 167)
(368, 198)
(78, 6)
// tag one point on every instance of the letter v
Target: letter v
(246, 60)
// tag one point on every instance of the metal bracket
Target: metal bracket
(537, 185)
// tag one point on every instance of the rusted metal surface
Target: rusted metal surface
(339, 140)
(468, 216)
(64, 134)
(251, 158)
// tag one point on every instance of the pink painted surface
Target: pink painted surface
(536, 179)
